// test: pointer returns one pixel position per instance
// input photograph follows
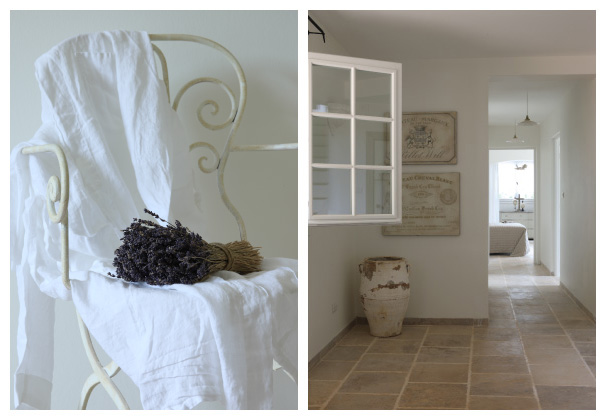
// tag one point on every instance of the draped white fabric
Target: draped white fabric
(105, 106)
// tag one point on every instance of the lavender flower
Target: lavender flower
(161, 255)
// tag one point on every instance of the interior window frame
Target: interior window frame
(395, 120)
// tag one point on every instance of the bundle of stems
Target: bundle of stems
(170, 254)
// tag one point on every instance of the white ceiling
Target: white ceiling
(392, 35)
(507, 97)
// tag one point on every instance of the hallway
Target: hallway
(536, 352)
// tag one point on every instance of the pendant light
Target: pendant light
(527, 122)
(515, 138)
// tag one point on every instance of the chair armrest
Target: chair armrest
(57, 191)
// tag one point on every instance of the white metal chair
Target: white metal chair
(58, 188)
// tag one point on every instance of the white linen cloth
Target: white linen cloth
(103, 103)
(213, 341)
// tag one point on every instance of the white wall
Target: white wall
(262, 185)
(497, 156)
(331, 267)
(449, 277)
(575, 121)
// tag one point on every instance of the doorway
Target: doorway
(513, 191)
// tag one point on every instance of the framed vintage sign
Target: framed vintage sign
(429, 138)
(430, 205)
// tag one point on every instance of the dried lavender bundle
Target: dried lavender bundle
(162, 255)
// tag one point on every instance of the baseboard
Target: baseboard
(580, 305)
(437, 321)
(316, 359)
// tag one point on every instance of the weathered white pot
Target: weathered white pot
(384, 292)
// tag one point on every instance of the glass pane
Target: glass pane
(373, 192)
(331, 89)
(331, 191)
(331, 140)
(373, 146)
(373, 94)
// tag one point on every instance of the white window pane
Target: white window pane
(373, 143)
(331, 90)
(373, 191)
(331, 140)
(373, 94)
(331, 191)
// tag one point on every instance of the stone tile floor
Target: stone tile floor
(537, 352)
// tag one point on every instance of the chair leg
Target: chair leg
(111, 369)
(100, 374)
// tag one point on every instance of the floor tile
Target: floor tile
(450, 329)
(563, 307)
(439, 372)
(496, 334)
(561, 375)
(395, 346)
(583, 336)
(500, 292)
(531, 310)
(331, 370)
(516, 279)
(546, 281)
(499, 364)
(320, 391)
(374, 383)
(501, 384)
(528, 303)
(362, 402)
(419, 395)
(410, 332)
(385, 362)
(361, 328)
(591, 363)
(499, 301)
(443, 355)
(500, 323)
(530, 288)
(550, 356)
(356, 339)
(536, 319)
(528, 294)
(502, 403)
(579, 324)
(566, 397)
(546, 341)
(541, 329)
(497, 348)
(586, 349)
(345, 353)
(500, 313)
(570, 314)
(447, 340)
